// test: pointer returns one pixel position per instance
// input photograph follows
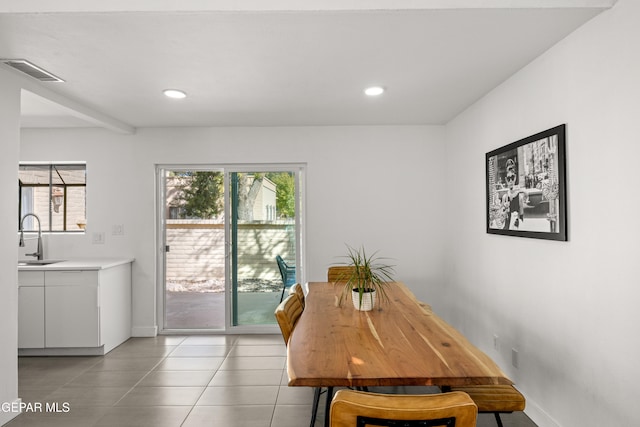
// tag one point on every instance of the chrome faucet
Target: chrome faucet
(38, 252)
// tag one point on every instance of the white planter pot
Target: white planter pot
(368, 300)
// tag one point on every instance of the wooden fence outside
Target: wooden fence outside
(197, 250)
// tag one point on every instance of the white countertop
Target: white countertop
(76, 264)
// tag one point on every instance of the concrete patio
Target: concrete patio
(206, 310)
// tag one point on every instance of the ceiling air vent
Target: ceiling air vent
(31, 70)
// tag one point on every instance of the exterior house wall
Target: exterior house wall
(264, 207)
(75, 209)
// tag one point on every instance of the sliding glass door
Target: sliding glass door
(221, 230)
(263, 225)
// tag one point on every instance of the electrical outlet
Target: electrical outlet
(117, 230)
(496, 342)
(98, 238)
(514, 358)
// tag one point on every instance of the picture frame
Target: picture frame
(526, 187)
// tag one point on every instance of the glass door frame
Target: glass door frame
(227, 169)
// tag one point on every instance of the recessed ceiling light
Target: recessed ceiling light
(174, 93)
(374, 90)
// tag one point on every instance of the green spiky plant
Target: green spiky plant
(368, 273)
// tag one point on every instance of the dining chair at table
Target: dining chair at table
(287, 314)
(297, 290)
(495, 399)
(339, 273)
(350, 408)
(287, 273)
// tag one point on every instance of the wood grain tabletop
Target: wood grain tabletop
(400, 342)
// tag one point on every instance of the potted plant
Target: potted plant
(365, 278)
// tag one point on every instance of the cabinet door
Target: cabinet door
(72, 309)
(31, 317)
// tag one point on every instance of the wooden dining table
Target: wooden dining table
(401, 342)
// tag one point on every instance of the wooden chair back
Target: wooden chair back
(287, 314)
(339, 273)
(350, 408)
(494, 398)
(299, 292)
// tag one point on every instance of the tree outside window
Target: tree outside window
(201, 194)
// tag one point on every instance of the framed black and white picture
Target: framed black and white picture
(526, 187)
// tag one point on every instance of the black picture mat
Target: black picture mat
(535, 206)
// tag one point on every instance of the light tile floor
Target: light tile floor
(171, 381)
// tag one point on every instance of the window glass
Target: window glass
(56, 193)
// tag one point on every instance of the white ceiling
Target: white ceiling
(245, 64)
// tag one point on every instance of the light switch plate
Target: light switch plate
(98, 238)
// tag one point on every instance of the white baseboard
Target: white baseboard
(9, 414)
(539, 416)
(144, 331)
(67, 351)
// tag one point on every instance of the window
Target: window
(56, 193)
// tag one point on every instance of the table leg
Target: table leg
(314, 408)
(328, 406)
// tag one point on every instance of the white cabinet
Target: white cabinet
(74, 312)
(31, 309)
(72, 309)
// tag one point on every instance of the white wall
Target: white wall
(378, 186)
(570, 309)
(9, 145)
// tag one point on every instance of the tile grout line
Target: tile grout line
(144, 376)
